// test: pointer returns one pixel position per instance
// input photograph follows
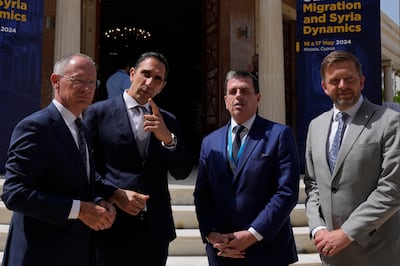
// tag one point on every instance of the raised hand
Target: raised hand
(155, 123)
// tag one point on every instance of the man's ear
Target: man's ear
(55, 79)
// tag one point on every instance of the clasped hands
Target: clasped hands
(232, 245)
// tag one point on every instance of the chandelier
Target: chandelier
(127, 33)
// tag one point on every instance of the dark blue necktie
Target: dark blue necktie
(237, 142)
(81, 140)
(337, 141)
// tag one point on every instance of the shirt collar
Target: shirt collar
(247, 124)
(131, 102)
(66, 114)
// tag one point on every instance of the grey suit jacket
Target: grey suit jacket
(362, 195)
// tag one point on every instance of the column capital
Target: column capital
(387, 63)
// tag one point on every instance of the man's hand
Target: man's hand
(155, 123)
(329, 243)
(238, 242)
(129, 201)
(97, 217)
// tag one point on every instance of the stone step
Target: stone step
(182, 193)
(188, 249)
(185, 216)
(5, 214)
(3, 235)
(304, 260)
(189, 243)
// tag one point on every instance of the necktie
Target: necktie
(237, 142)
(337, 141)
(141, 135)
(81, 140)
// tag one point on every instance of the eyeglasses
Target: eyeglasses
(81, 82)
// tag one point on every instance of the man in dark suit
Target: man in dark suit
(353, 202)
(49, 185)
(136, 156)
(243, 205)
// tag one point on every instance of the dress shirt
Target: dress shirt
(244, 134)
(351, 112)
(130, 104)
(69, 119)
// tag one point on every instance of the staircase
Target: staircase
(187, 249)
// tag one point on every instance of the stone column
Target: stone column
(388, 84)
(271, 70)
(67, 28)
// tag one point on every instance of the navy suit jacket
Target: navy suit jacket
(44, 173)
(260, 194)
(119, 162)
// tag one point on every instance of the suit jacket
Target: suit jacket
(118, 160)
(362, 195)
(260, 194)
(44, 173)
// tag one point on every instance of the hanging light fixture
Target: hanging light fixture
(126, 33)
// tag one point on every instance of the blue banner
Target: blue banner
(322, 27)
(21, 27)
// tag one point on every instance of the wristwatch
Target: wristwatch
(173, 142)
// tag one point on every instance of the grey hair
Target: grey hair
(62, 63)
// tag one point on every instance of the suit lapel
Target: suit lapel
(355, 129)
(68, 141)
(322, 138)
(123, 123)
(253, 137)
(256, 133)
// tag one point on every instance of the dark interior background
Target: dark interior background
(175, 29)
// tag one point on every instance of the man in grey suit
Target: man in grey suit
(353, 208)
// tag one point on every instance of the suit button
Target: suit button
(334, 190)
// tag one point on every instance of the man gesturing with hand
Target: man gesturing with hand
(136, 145)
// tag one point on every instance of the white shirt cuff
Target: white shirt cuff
(76, 206)
(256, 234)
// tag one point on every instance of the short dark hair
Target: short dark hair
(233, 74)
(339, 56)
(156, 55)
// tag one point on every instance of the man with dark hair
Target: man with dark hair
(136, 146)
(247, 183)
